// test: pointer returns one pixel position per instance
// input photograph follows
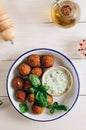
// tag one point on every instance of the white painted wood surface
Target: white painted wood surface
(35, 29)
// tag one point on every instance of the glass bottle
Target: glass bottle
(65, 13)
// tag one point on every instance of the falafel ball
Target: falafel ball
(47, 61)
(37, 109)
(18, 83)
(24, 69)
(50, 99)
(20, 96)
(37, 71)
(34, 60)
(27, 85)
(31, 98)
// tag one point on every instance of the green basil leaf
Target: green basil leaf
(23, 107)
(41, 99)
(43, 88)
(52, 110)
(34, 80)
(31, 90)
(62, 107)
(55, 105)
(49, 106)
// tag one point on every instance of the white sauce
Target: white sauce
(57, 81)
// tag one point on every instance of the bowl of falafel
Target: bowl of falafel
(43, 84)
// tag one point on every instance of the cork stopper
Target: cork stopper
(66, 10)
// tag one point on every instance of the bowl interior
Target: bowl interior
(69, 99)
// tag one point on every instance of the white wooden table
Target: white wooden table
(35, 29)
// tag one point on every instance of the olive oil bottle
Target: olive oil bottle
(65, 13)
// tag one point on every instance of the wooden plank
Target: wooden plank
(82, 4)
(31, 36)
(32, 11)
(4, 67)
(74, 120)
(79, 64)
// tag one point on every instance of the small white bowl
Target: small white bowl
(53, 90)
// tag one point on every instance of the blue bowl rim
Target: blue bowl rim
(51, 50)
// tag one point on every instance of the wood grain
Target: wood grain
(34, 26)
(31, 36)
(32, 11)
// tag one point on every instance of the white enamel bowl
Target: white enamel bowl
(69, 99)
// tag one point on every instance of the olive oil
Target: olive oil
(65, 13)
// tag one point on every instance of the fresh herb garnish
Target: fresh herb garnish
(41, 99)
(43, 88)
(39, 90)
(32, 90)
(23, 107)
(55, 106)
(34, 80)
(62, 107)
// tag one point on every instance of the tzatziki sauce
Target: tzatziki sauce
(57, 81)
